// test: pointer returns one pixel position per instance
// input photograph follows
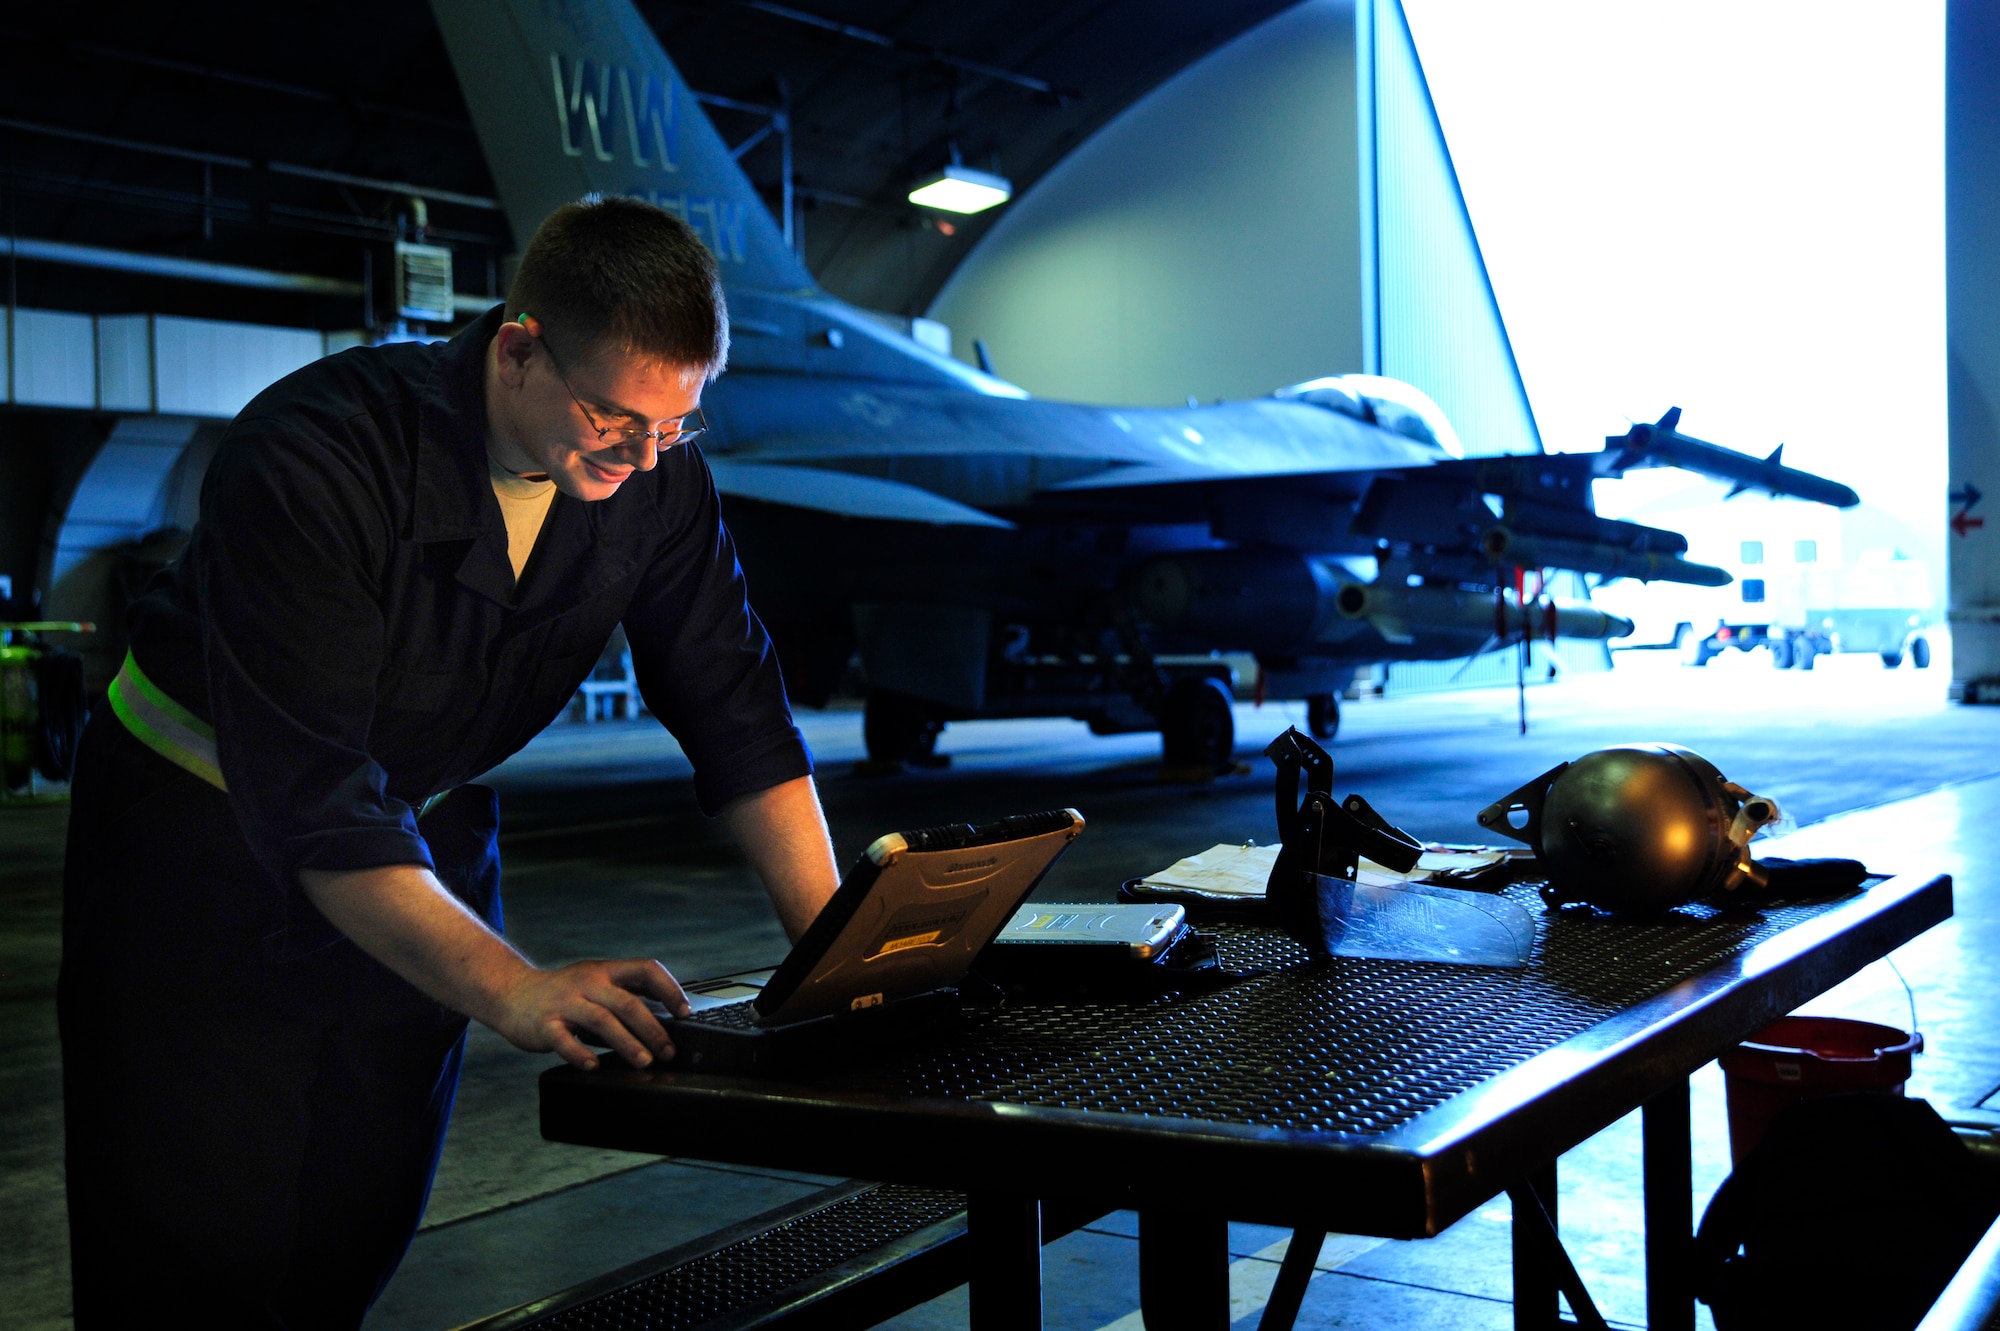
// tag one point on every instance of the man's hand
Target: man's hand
(545, 1009)
(402, 916)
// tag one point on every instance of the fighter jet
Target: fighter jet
(989, 554)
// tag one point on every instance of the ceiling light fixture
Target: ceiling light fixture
(960, 189)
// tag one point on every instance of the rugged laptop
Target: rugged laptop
(887, 951)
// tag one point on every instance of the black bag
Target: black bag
(1853, 1212)
(59, 686)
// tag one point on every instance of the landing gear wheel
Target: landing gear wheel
(1781, 654)
(1920, 653)
(1890, 660)
(1323, 715)
(900, 729)
(1198, 726)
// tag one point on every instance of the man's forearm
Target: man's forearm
(784, 833)
(401, 915)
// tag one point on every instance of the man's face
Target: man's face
(557, 416)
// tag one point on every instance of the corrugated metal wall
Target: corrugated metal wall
(1496, 669)
(149, 363)
(1434, 320)
(52, 354)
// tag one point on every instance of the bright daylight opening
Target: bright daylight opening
(1736, 208)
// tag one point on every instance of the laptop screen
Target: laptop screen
(914, 912)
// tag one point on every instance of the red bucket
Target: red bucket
(1795, 1058)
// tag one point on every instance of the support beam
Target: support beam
(164, 265)
(399, 187)
(200, 270)
(883, 40)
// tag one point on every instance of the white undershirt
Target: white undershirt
(524, 505)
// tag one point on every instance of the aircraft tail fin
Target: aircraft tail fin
(574, 97)
(1777, 454)
(1671, 421)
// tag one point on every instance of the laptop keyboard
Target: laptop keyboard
(737, 1016)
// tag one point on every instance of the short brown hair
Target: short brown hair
(622, 273)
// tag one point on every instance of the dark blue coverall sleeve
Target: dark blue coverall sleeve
(705, 665)
(291, 544)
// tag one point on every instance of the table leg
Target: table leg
(1536, 1307)
(1281, 1310)
(1184, 1270)
(1668, 1131)
(1537, 1223)
(1006, 1278)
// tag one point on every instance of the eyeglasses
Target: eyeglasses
(671, 431)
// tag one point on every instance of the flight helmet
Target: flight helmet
(1637, 828)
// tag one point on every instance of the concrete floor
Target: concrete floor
(606, 854)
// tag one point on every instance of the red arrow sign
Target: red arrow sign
(1963, 523)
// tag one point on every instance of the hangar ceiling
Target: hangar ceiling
(278, 136)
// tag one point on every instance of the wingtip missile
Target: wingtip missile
(1662, 445)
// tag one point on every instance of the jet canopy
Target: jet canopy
(1388, 403)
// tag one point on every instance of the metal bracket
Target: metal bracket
(1296, 756)
(1288, 1293)
(1322, 837)
(1497, 816)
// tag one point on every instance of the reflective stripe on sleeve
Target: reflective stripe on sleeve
(163, 725)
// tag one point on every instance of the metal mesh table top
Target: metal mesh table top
(1349, 1045)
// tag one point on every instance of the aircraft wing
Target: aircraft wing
(845, 494)
(1147, 476)
(1471, 520)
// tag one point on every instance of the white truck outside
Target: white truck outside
(1808, 581)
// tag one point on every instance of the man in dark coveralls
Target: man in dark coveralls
(281, 896)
